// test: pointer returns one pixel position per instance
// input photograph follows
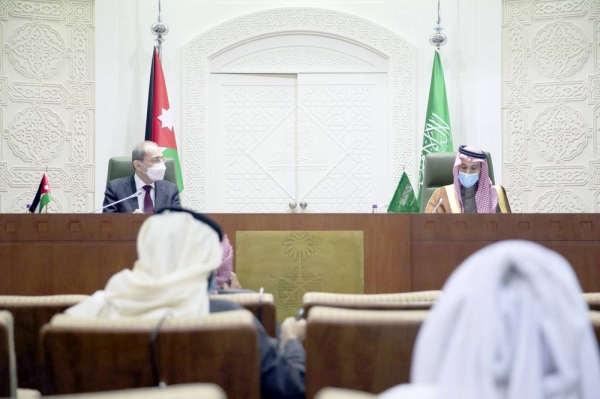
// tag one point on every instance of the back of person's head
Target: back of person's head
(178, 249)
(139, 151)
(178, 238)
(511, 323)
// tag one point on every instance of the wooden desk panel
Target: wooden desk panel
(386, 240)
(64, 253)
(439, 243)
(77, 253)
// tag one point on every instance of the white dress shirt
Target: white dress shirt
(138, 185)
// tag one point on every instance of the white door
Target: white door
(297, 143)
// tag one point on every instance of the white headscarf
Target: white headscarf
(512, 324)
(176, 255)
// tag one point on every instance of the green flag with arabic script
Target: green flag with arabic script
(438, 134)
(404, 199)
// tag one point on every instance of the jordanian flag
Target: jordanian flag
(160, 117)
(404, 199)
(42, 197)
(438, 134)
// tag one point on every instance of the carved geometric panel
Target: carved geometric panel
(196, 56)
(551, 104)
(47, 103)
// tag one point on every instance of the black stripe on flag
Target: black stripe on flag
(150, 111)
(37, 198)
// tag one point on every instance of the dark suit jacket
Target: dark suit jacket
(281, 371)
(166, 195)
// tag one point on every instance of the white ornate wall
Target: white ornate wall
(196, 74)
(551, 105)
(47, 103)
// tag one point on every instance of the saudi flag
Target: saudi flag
(42, 197)
(404, 199)
(438, 134)
(160, 117)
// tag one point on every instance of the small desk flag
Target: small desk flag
(404, 199)
(42, 197)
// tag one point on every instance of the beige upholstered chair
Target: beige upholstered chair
(8, 366)
(593, 300)
(420, 300)
(184, 391)
(340, 393)
(30, 313)
(262, 307)
(8, 363)
(366, 350)
(89, 355)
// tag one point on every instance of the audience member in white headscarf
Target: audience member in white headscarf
(178, 251)
(512, 324)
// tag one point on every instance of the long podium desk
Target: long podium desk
(51, 254)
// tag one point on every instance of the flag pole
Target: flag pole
(46, 177)
(159, 30)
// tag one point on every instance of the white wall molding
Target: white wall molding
(196, 56)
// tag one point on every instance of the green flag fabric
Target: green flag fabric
(404, 200)
(438, 133)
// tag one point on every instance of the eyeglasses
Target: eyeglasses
(156, 160)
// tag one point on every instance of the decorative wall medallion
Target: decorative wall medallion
(36, 135)
(559, 49)
(560, 201)
(560, 133)
(36, 50)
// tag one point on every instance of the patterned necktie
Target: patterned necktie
(148, 205)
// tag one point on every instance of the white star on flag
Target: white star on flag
(46, 187)
(166, 118)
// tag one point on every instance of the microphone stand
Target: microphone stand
(136, 194)
(437, 206)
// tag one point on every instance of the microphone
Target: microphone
(136, 194)
(438, 204)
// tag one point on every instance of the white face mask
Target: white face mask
(156, 172)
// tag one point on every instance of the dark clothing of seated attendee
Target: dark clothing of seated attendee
(154, 192)
(178, 251)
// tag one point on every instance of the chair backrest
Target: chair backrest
(419, 300)
(593, 300)
(89, 355)
(183, 391)
(437, 172)
(595, 320)
(8, 367)
(30, 313)
(262, 307)
(122, 166)
(366, 350)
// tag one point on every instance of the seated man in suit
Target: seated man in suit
(472, 191)
(155, 193)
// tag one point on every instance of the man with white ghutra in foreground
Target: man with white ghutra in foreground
(512, 323)
(178, 253)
